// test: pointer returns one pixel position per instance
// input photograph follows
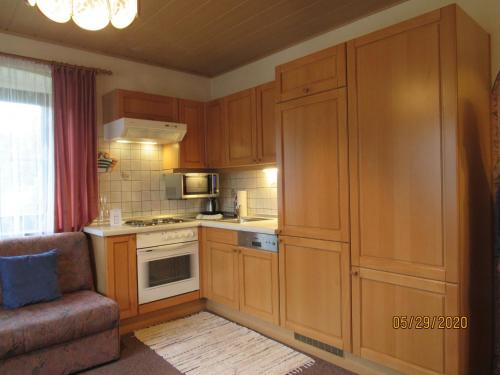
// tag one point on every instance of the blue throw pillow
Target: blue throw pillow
(28, 279)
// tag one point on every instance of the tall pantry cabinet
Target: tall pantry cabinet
(311, 120)
(385, 195)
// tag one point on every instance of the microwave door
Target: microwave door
(196, 185)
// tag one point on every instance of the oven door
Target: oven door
(167, 271)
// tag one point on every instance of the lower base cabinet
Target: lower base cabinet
(404, 322)
(243, 279)
(315, 289)
(121, 280)
(222, 269)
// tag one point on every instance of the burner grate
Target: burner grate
(155, 221)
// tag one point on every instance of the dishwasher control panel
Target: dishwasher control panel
(261, 241)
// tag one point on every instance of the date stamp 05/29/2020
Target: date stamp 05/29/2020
(429, 322)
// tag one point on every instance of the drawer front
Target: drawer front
(321, 71)
(222, 236)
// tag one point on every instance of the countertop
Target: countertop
(264, 226)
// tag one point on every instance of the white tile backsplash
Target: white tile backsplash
(135, 185)
(260, 185)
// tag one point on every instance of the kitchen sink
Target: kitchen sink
(244, 220)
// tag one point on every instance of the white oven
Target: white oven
(167, 263)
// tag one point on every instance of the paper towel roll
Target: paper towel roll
(242, 201)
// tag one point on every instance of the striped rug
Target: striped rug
(206, 344)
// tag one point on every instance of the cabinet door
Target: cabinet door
(124, 103)
(385, 305)
(315, 289)
(223, 273)
(320, 71)
(313, 189)
(215, 142)
(192, 152)
(122, 273)
(258, 275)
(402, 151)
(241, 128)
(266, 124)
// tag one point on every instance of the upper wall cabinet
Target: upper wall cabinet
(321, 71)
(215, 134)
(240, 128)
(192, 147)
(266, 124)
(123, 103)
(314, 182)
(249, 132)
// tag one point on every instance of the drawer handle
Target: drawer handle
(305, 90)
(355, 273)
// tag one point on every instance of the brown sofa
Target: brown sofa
(75, 332)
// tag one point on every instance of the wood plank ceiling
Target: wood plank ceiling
(206, 37)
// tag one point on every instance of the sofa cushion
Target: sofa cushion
(29, 279)
(71, 317)
(73, 260)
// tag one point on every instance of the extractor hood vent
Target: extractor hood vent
(144, 131)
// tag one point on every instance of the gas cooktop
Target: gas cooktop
(156, 221)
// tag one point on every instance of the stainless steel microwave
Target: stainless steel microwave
(191, 185)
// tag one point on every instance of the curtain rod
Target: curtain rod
(56, 63)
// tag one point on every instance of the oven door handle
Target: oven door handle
(175, 246)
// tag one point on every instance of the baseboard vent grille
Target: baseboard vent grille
(319, 345)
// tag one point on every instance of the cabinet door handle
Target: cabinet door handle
(355, 273)
(305, 90)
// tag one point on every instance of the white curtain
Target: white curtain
(26, 148)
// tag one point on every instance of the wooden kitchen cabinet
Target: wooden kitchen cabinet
(123, 103)
(121, 273)
(258, 276)
(420, 191)
(241, 128)
(401, 321)
(266, 124)
(318, 72)
(314, 182)
(215, 139)
(223, 267)
(242, 278)
(192, 147)
(400, 189)
(190, 152)
(315, 289)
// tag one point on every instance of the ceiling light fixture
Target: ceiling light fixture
(89, 14)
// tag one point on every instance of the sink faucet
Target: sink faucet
(237, 209)
(237, 212)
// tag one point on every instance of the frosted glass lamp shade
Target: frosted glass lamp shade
(56, 10)
(123, 12)
(91, 14)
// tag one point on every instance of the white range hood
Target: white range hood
(144, 131)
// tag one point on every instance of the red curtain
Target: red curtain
(75, 148)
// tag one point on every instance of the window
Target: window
(26, 149)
